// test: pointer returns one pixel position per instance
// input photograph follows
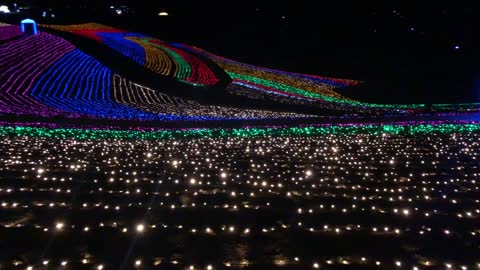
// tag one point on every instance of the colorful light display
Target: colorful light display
(152, 53)
(48, 76)
(354, 192)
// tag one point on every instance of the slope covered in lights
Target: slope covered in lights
(48, 76)
(149, 52)
(186, 64)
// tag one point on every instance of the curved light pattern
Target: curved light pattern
(126, 47)
(9, 31)
(195, 70)
(23, 62)
(347, 129)
(78, 83)
(289, 85)
(153, 54)
(143, 98)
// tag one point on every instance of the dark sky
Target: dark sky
(428, 49)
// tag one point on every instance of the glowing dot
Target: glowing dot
(140, 228)
(59, 226)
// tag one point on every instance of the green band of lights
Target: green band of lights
(240, 132)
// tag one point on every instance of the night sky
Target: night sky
(407, 51)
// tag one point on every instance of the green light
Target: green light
(238, 132)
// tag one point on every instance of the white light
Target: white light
(209, 267)
(59, 226)
(140, 228)
(100, 267)
(4, 9)
(64, 263)
(316, 265)
(138, 262)
(163, 13)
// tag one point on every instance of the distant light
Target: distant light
(456, 47)
(163, 13)
(4, 9)
(119, 11)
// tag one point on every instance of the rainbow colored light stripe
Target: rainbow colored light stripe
(149, 52)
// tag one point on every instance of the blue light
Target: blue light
(29, 21)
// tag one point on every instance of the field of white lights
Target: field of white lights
(394, 199)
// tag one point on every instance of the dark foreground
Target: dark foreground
(330, 202)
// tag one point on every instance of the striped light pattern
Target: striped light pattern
(23, 62)
(46, 75)
(9, 31)
(143, 98)
(153, 54)
(289, 87)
